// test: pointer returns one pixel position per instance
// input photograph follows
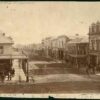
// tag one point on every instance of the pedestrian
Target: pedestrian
(2, 77)
(9, 76)
(12, 72)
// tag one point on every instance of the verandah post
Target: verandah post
(27, 75)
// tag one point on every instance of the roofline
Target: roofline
(6, 43)
(62, 36)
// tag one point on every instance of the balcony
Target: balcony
(96, 33)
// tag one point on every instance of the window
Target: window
(1, 49)
(92, 44)
(95, 45)
(97, 42)
(62, 44)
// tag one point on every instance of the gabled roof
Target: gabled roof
(5, 40)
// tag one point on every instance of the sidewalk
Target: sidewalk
(19, 74)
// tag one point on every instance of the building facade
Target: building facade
(62, 42)
(55, 47)
(47, 46)
(94, 43)
(77, 52)
(8, 56)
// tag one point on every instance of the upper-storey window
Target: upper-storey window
(90, 29)
(98, 44)
(93, 44)
(1, 49)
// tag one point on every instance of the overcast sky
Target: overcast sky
(29, 22)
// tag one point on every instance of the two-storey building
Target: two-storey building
(62, 41)
(54, 46)
(77, 51)
(94, 43)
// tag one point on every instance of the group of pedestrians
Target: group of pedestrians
(8, 73)
(92, 69)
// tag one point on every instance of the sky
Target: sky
(30, 22)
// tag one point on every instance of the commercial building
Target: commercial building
(10, 57)
(94, 43)
(77, 51)
(62, 42)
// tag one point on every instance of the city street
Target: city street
(60, 78)
(51, 77)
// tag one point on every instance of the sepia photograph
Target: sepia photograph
(50, 49)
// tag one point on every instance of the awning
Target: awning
(13, 57)
(5, 57)
(95, 53)
(77, 56)
(18, 57)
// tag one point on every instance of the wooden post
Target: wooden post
(10, 63)
(27, 75)
(76, 56)
(97, 63)
(19, 70)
